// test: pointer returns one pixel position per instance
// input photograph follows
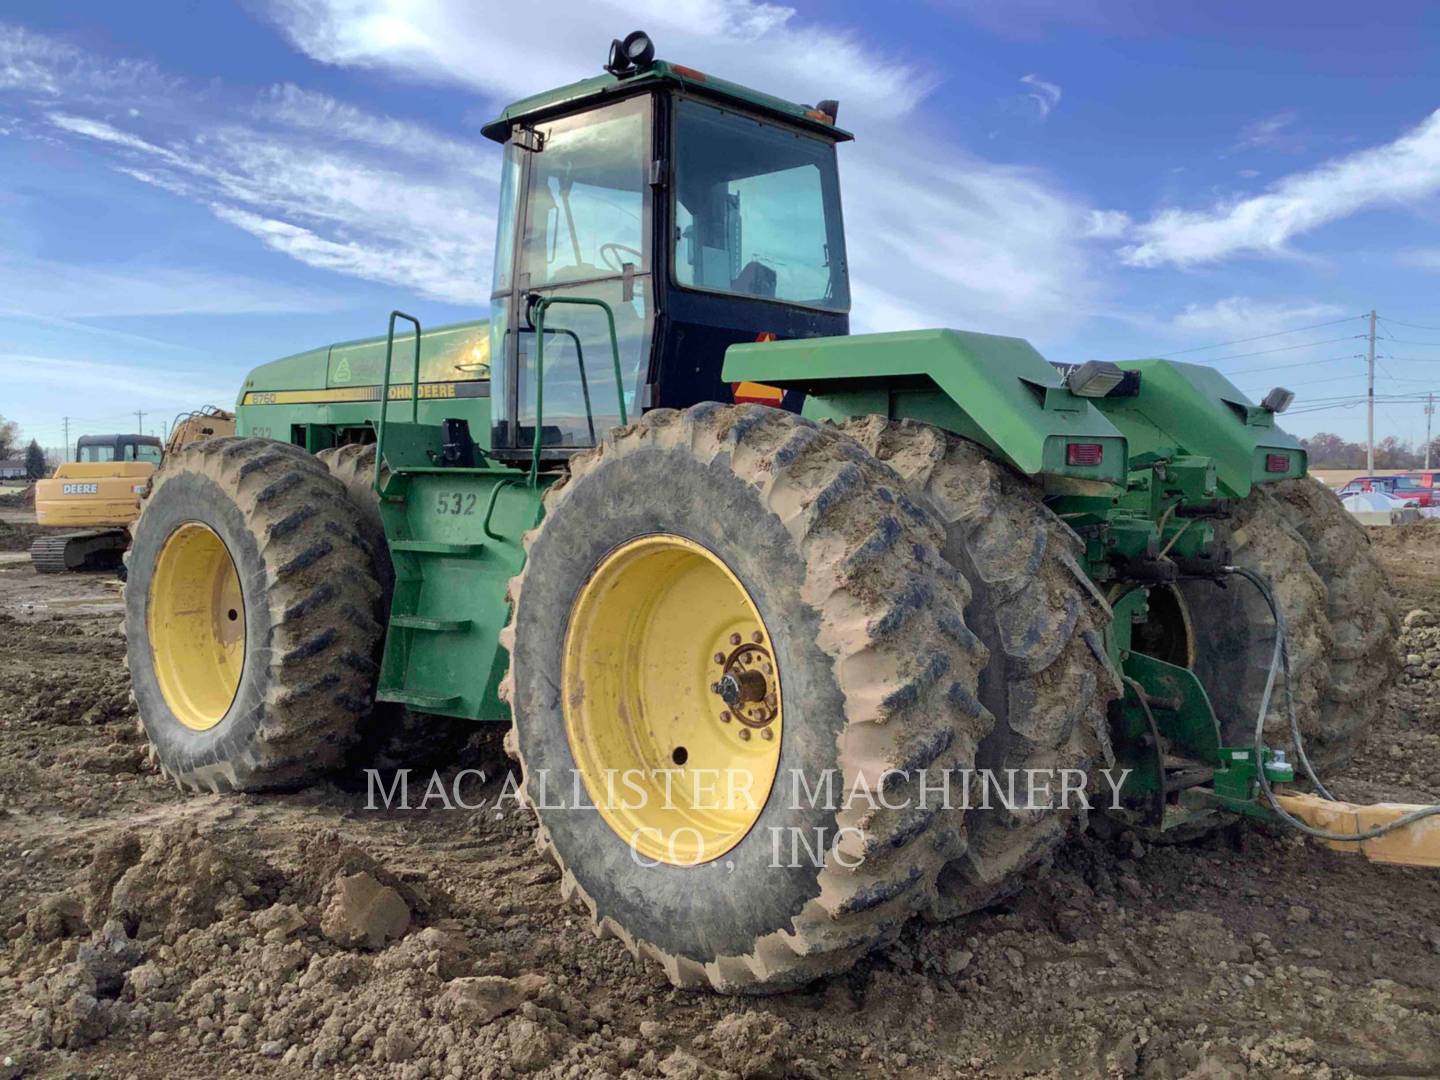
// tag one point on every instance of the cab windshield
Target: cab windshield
(757, 210)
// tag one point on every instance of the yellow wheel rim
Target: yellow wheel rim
(672, 699)
(196, 624)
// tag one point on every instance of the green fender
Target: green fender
(996, 391)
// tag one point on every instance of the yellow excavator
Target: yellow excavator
(96, 498)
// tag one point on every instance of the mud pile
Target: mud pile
(176, 939)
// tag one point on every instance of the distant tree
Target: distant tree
(35, 465)
(1327, 451)
(1391, 453)
(9, 432)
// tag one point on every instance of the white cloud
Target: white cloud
(46, 288)
(1043, 95)
(47, 67)
(324, 182)
(107, 133)
(1242, 316)
(937, 237)
(1424, 258)
(760, 44)
(1267, 132)
(1405, 170)
(125, 386)
(947, 242)
(1106, 224)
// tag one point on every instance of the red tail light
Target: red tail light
(1277, 462)
(1084, 453)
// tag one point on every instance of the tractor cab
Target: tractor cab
(693, 212)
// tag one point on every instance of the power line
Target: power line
(1261, 337)
(1302, 363)
(1285, 348)
(1413, 326)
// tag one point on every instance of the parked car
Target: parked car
(1405, 488)
(1429, 481)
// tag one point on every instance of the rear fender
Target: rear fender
(996, 391)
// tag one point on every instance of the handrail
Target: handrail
(385, 390)
(580, 361)
(538, 305)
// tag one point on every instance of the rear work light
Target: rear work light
(1277, 462)
(1084, 453)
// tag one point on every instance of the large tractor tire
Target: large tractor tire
(1232, 631)
(1364, 657)
(390, 735)
(740, 593)
(1048, 678)
(354, 467)
(249, 614)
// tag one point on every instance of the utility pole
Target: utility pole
(1370, 400)
(1429, 412)
(140, 416)
(66, 456)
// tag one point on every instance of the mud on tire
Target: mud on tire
(311, 638)
(879, 668)
(1363, 619)
(1234, 632)
(354, 467)
(1048, 678)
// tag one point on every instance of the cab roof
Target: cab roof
(659, 72)
(116, 440)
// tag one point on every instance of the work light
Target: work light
(1094, 378)
(1277, 400)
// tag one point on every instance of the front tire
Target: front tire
(249, 616)
(860, 617)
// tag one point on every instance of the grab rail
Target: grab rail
(385, 389)
(538, 306)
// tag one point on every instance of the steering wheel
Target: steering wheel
(610, 251)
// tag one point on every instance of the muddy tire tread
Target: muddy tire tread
(891, 618)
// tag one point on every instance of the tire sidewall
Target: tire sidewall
(721, 907)
(194, 497)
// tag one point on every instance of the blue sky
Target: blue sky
(190, 189)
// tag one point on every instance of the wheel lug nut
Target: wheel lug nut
(770, 700)
(757, 637)
(769, 670)
(744, 734)
(719, 658)
(725, 717)
(767, 734)
(714, 688)
(734, 639)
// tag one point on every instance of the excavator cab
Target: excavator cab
(698, 213)
(97, 448)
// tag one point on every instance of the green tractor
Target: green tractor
(754, 594)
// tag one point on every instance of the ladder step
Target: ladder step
(420, 622)
(417, 700)
(435, 547)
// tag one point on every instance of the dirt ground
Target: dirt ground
(151, 934)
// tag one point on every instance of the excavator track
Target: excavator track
(92, 549)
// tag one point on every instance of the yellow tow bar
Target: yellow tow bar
(1418, 844)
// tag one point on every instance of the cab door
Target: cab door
(579, 205)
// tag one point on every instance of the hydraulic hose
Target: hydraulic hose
(1280, 663)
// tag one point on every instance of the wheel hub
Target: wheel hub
(196, 614)
(672, 699)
